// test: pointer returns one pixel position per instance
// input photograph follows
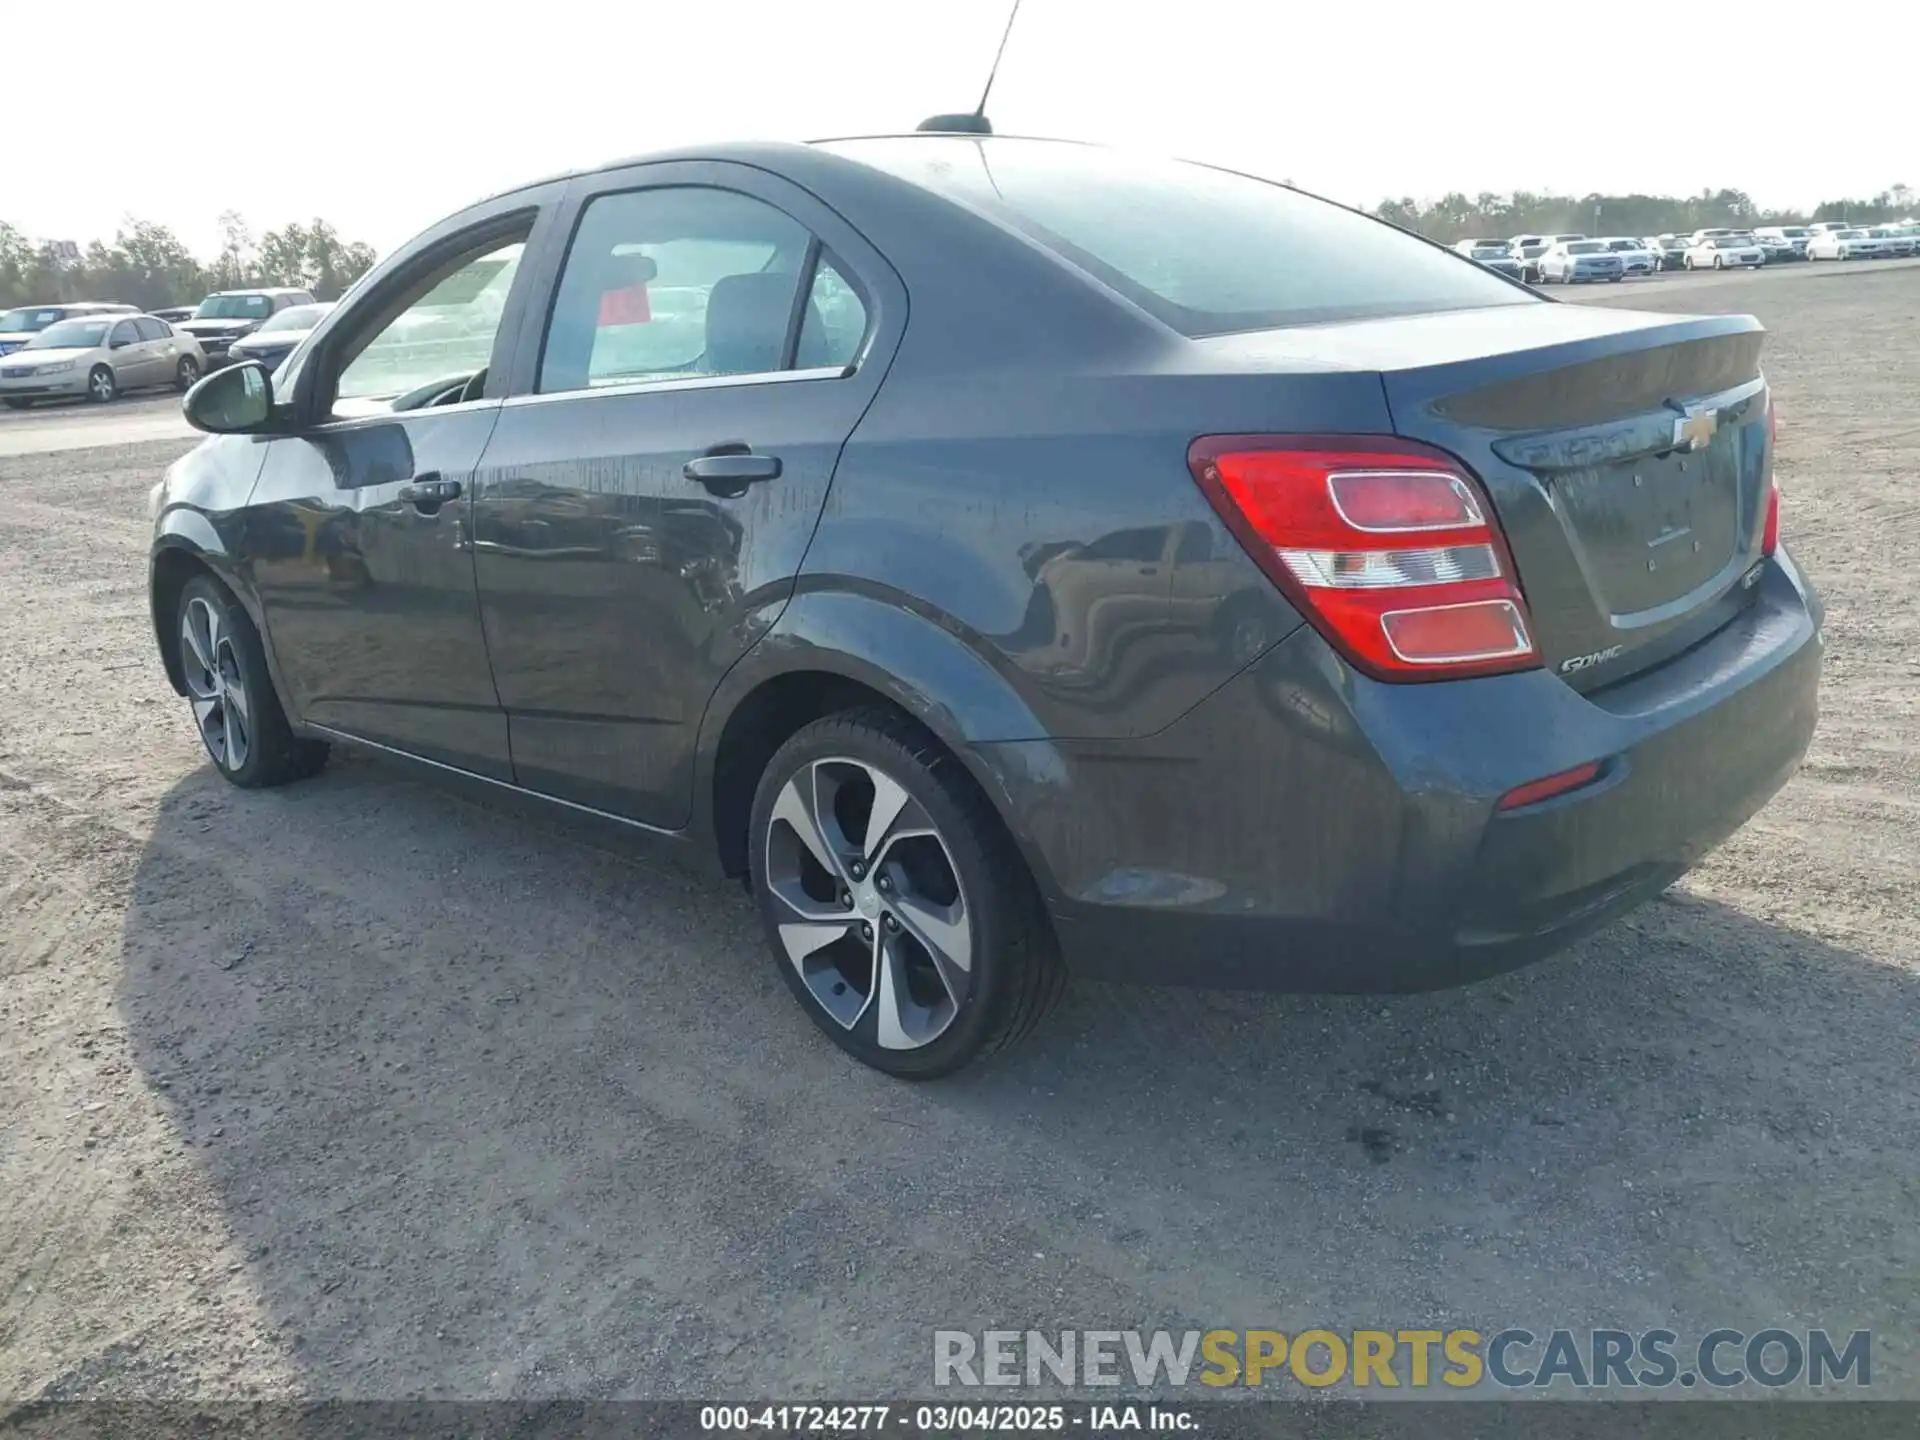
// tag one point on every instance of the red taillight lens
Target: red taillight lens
(1548, 786)
(1770, 531)
(1388, 548)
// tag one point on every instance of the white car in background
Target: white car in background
(1494, 254)
(1580, 262)
(1728, 251)
(1635, 257)
(1527, 250)
(1845, 245)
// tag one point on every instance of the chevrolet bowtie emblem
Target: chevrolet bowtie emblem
(1692, 429)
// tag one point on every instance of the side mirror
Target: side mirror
(234, 401)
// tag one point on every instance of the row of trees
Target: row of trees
(1458, 217)
(148, 265)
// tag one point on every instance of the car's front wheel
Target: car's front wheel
(186, 373)
(102, 385)
(898, 910)
(235, 709)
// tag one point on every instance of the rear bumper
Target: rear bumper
(1309, 829)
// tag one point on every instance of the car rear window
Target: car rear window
(1205, 251)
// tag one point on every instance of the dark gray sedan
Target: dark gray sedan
(1013, 558)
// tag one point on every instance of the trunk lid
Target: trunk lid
(1626, 454)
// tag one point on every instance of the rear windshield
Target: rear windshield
(1624, 245)
(1204, 251)
(1584, 247)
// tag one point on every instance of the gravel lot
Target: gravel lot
(362, 1089)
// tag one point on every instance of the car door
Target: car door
(127, 356)
(715, 334)
(359, 530)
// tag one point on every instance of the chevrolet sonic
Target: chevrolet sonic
(1014, 558)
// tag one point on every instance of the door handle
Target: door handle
(728, 470)
(428, 492)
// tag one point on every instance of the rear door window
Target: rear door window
(678, 283)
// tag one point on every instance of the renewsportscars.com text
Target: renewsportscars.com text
(1459, 1359)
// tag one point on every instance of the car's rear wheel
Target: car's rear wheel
(898, 910)
(102, 385)
(239, 717)
(186, 373)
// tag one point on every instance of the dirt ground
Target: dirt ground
(362, 1089)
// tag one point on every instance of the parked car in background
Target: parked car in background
(1845, 245)
(99, 357)
(1776, 248)
(173, 314)
(1822, 227)
(1780, 239)
(1669, 250)
(1527, 250)
(19, 326)
(226, 315)
(1727, 251)
(1894, 241)
(279, 335)
(1635, 258)
(1494, 254)
(1711, 233)
(1580, 262)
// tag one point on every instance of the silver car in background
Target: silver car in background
(1845, 245)
(1580, 262)
(98, 358)
(280, 336)
(1635, 257)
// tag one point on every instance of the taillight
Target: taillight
(1770, 529)
(1389, 548)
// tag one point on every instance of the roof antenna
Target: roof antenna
(975, 122)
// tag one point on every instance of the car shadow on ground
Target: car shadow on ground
(496, 1108)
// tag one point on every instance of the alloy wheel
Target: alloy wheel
(216, 685)
(100, 385)
(878, 928)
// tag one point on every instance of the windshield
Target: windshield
(25, 322)
(300, 317)
(1585, 247)
(1204, 251)
(1852, 234)
(234, 307)
(71, 335)
(1482, 246)
(1623, 245)
(1796, 232)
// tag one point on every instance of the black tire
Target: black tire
(103, 386)
(269, 752)
(1015, 976)
(186, 374)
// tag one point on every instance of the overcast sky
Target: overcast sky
(384, 116)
